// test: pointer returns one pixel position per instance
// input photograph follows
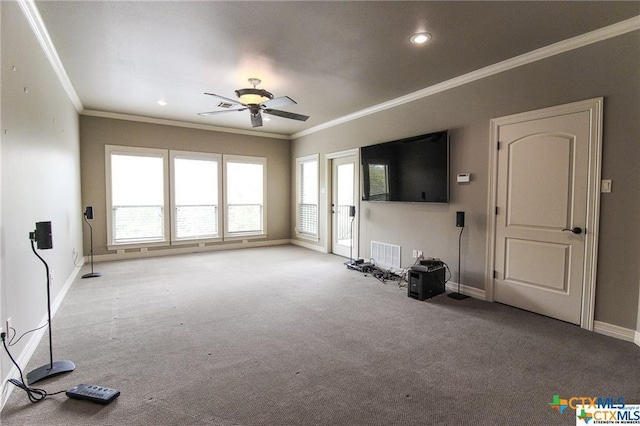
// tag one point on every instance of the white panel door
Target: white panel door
(543, 167)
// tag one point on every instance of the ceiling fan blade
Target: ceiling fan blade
(256, 120)
(278, 102)
(206, 114)
(233, 101)
(286, 114)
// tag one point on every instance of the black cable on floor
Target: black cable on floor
(34, 394)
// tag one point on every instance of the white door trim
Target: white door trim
(328, 196)
(594, 107)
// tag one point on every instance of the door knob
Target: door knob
(577, 230)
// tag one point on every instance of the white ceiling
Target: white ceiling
(334, 58)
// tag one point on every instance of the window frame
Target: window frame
(203, 156)
(298, 176)
(236, 236)
(139, 152)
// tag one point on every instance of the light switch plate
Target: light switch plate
(605, 186)
(464, 177)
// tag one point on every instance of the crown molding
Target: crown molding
(40, 31)
(617, 29)
(175, 123)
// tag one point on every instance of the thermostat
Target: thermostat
(464, 177)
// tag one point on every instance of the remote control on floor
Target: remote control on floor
(98, 394)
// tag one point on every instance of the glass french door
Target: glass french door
(343, 199)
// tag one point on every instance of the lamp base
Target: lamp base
(50, 370)
(92, 275)
(458, 296)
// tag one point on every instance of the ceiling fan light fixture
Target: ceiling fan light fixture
(253, 96)
(257, 101)
(420, 38)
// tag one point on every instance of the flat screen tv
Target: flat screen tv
(411, 170)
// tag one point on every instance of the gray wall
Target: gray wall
(96, 132)
(608, 68)
(40, 175)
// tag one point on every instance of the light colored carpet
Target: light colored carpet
(288, 336)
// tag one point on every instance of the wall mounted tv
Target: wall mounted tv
(412, 170)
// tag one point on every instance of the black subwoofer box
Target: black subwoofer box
(426, 284)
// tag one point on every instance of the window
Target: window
(195, 195)
(151, 207)
(245, 188)
(136, 195)
(307, 197)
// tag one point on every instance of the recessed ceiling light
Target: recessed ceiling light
(420, 38)
(162, 102)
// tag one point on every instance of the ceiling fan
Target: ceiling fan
(257, 101)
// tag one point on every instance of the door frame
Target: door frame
(594, 107)
(328, 184)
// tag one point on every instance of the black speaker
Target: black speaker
(423, 285)
(43, 235)
(88, 213)
(352, 211)
(459, 219)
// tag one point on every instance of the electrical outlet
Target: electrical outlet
(51, 276)
(8, 325)
(414, 254)
(420, 254)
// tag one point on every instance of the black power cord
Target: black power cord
(34, 394)
(12, 338)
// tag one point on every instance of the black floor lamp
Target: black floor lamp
(459, 224)
(88, 214)
(42, 236)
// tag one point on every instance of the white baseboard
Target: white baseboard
(33, 342)
(309, 246)
(618, 332)
(141, 253)
(476, 293)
